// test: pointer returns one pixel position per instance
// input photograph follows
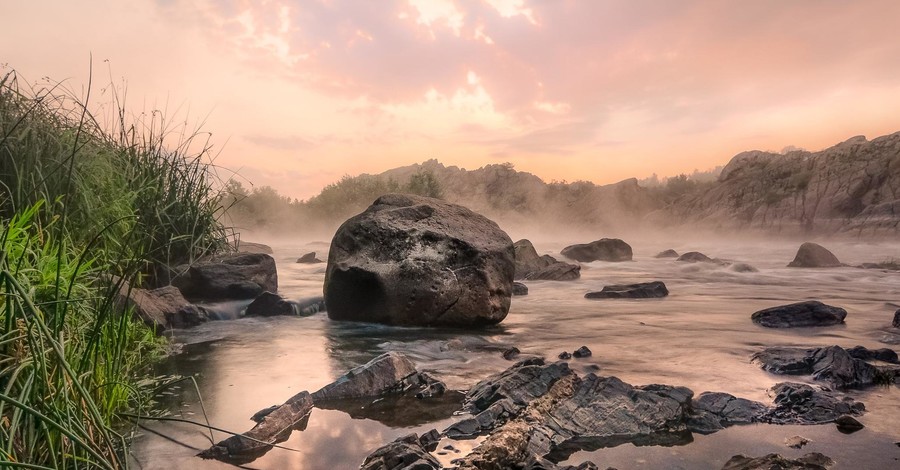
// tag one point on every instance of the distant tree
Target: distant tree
(424, 183)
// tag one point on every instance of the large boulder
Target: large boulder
(162, 308)
(229, 277)
(413, 260)
(809, 313)
(605, 249)
(531, 266)
(813, 255)
(643, 290)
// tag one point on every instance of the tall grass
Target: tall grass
(84, 209)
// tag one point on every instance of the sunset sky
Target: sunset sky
(298, 93)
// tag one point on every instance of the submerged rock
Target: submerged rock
(405, 453)
(412, 260)
(274, 425)
(743, 268)
(605, 249)
(667, 254)
(695, 257)
(801, 314)
(268, 304)
(229, 277)
(839, 367)
(529, 265)
(811, 461)
(896, 322)
(813, 255)
(643, 290)
(519, 289)
(804, 404)
(309, 258)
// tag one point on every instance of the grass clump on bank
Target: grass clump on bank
(85, 208)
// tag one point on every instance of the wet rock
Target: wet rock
(743, 268)
(529, 265)
(643, 290)
(667, 254)
(582, 352)
(605, 249)
(309, 258)
(511, 353)
(811, 461)
(848, 424)
(429, 441)
(187, 316)
(250, 247)
(801, 314)
(695, 257)
(268, 304)
(796, 442)
(412, 260)
(812, 255)
(519, 289)
(839, 367)
(405, 453)
(565, 355)
(162, 308)
(803, 404)
(713, 411)
(273, 426)
(389, 372)
(896, 321)
(521, 383)
(309, 306)
(494, 416)
(229, 277)
(881, 354)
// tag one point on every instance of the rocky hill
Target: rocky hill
(852, 187)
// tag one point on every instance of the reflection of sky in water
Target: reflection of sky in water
(700, 337)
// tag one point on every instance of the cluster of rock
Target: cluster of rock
(839, 367)
(530, 266)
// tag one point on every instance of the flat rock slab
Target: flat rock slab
(644, 290)
(273, 426)
(842, 368)
(386, 373)
(811, 461)
(801, 314)
(813, 255)
(605, 249)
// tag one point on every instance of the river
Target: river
(700, 336)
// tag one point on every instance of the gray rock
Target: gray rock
(881, 354)
(274, 425)
(848, 424)
(405, 453)
(268, 304)
(565, 355)
(605, 249)
(583, 351)
(162, 308)
(250, 247)
(667, 254)
(796, 442)
(812, 255)
(229, 277)
(521, 383)
(511, 353)
(896, 321)
(839, 367)
(429, 441)
(529, 265)
(712, 411)
(643, 290)
(801, 314)
(412, 260)
(811, 461)
(389, 372)
(556, 271)
(803, 404)
(309, 258)
(519, 289)
(695, 257)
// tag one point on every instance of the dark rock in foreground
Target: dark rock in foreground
(842, 368)
(813, 255)
(644, 290)
(714, 411)
(804, 404)
(811, 461)
(412, 260)
(405, 453)
(521, 383)
(605, 249)
(389, 372)
(667, 254)
(583, 351)
(848, 424)
(229, 277)
(309, 258)
(519, 289)
(541, 268)
(268, 304)
(273, 426)
(695, 257)
(801, 314)
(162, 308)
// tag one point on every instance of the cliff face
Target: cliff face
(851, 187)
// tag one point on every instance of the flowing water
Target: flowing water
(700, 336)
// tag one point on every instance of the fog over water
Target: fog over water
(700, 336)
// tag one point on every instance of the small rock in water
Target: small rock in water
(695, 257)
(848, 424)
(429, 440)
(565, 355)
(667, 254)
(644, 290)
(511, 353)
(811, 461)
(897, 319)
(309, 258)
(796, 442)
(743, 268)
(519, 289)
(582, 352)
(800, 314)
(813, 255)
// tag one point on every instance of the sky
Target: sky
(297, 93)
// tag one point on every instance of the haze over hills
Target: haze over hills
(852, 188)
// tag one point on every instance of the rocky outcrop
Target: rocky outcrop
(841, 368)
(162, 308)
(812, 255)
(605, 249)
(405, 453)
(801, 314)
(309, 258)
(541, 268)
(411, 260)
(643, 290)
(520, 384)
(228, 277)
(811, 461)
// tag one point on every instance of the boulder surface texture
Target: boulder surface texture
(413, 260)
